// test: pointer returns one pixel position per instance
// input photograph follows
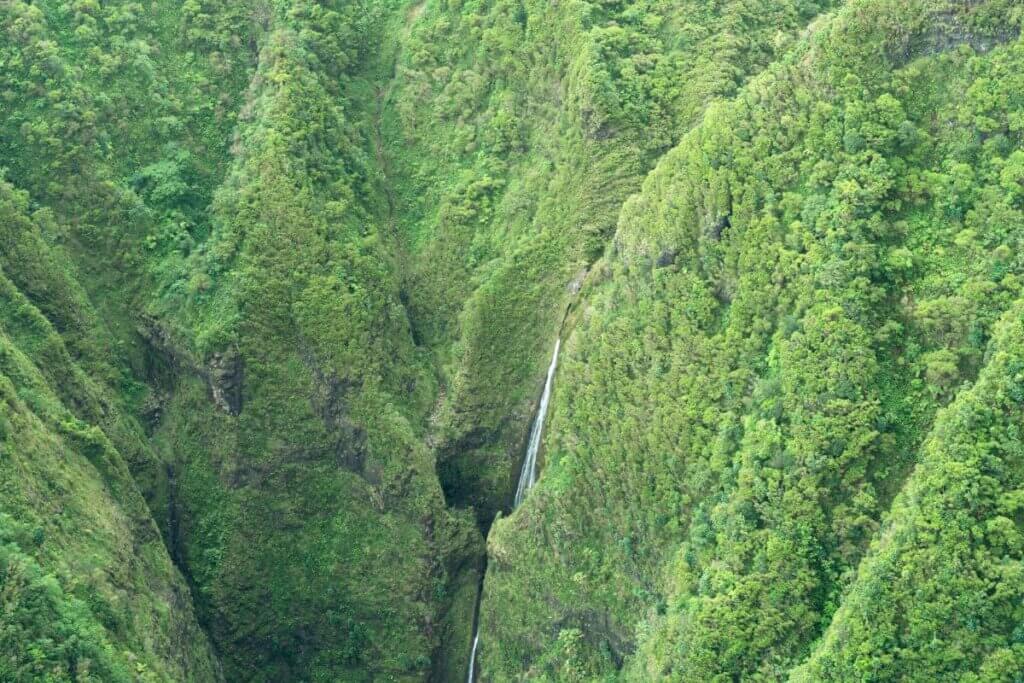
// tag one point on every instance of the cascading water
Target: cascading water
(472, 656)
(527, 477)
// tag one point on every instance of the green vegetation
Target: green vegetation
(802, 283)
(279, 280)
(513, 148)
(87, 589)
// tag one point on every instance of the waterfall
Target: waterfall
(528, 475)
(527, 478)
(472, 656)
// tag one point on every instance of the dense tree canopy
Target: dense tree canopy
(279, 281)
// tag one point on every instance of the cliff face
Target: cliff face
(280, 281)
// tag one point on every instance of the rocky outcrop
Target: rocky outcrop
(224, 374)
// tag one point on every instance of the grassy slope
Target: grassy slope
(715, 475)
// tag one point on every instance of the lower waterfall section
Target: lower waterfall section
(527, 478)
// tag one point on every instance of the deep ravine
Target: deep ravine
(527, 478)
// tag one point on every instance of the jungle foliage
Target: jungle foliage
(279, 280)
(797, 322)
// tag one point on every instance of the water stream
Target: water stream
(472, 656)
(528, 475)
(527, 478)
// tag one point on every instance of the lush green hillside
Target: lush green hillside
(87, 589)
(510, 150)
(279, 280)
(801, 285)
(221, 202)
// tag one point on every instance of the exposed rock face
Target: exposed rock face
(577, 282)
(224, 373)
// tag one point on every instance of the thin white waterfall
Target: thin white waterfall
(472, 657)
(527, 476)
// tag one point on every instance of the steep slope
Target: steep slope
(939, 596)
(234, 235)
(280, 280)
(117, 128)
(800, 285)
(88, 589)
(312, 479)
(515, 131)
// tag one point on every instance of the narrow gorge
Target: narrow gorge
(527, 478)
(286, 287)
